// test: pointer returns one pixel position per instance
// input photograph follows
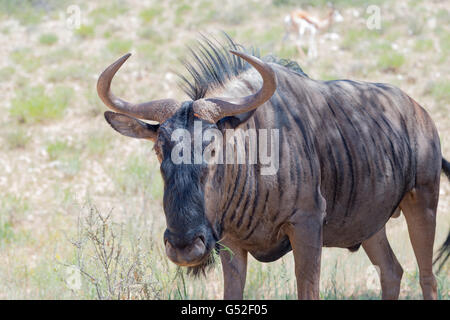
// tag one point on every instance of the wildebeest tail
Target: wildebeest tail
(446, 168)
(444, 251)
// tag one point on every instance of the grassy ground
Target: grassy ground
(79, 221)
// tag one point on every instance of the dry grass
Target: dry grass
(71, 189)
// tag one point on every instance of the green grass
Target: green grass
(6, 73)
(323, 3)
(137, 176)
(67, 155)
(25, 58)
(102, 14)
(390, 61)
(265, 41)
(440, 90)
(34, 104)
(423, 45)
(98, 143)
(181, 13)
(151, 14)
(73, 72)
(22, 10)
(444, 42)
(355, 37)
(59, 150)
(85, 31)
(148, 52)
(287, 51)
(152, 34)
(379, 47)
(48, 39)
(32, 12)
(95, 106)
(415, 26)
(119, 46)
(12, 210)
(6, 230)
(59, 55)
(17, 138)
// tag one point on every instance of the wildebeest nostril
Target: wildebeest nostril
(188, 253)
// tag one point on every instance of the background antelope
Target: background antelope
(301, 25)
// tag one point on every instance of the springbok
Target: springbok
(299, 23)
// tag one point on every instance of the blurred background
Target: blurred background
(81, 206)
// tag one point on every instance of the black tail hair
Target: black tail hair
(444, 251)
(446, 168)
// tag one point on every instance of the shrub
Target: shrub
(17, 139)
(148, 15)
(48, 39)
(119, 46)
(85, 31)
(33, 104)
(390, 61)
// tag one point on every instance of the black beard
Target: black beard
(205, 266)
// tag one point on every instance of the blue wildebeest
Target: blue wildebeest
(351, 155)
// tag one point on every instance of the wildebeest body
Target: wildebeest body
(351, 155)
(352, 143)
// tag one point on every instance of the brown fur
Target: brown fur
(351, 154)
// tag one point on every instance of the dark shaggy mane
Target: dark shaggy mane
(211, 65)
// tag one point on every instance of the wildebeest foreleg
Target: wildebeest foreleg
(305, 235)
(234, 266)
(381, 255)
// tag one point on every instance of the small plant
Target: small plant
(59, 55)
(181, 12)
(423, 45)
(150, 14)
(68, 157)
(58, 150)
(97, 143)
(440, 90)
(72, 72)
(102, 14)
(6, 229)
(26, 12)
(48, 39)
(149, 51)
(151, 34)
(33, 104)
(6, 73)
(25, 58)
(115, 270)
(11, 209)
(85, 31)
(119, 46)
(135, 176)
(17, 139)
(390, 61)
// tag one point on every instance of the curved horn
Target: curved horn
(214, 109)
(157, 110)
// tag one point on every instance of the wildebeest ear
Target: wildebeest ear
(237, 120)
(131, 127)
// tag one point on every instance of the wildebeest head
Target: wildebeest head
(189, 237)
